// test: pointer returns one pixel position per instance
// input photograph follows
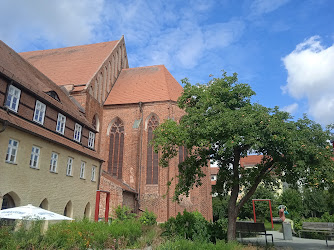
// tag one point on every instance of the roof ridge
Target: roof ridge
(76, 46)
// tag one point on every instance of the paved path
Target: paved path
(295, 243)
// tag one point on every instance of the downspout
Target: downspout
(140, 149)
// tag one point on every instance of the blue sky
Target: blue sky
(283, 48)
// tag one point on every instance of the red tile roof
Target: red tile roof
(72, 65)
(250, 160)
(119, 182)
(144, 84)
(19, 70)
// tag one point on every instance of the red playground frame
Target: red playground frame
(271, 213)
(97, 205)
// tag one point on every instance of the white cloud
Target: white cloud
(311, 76)
(259, 7)
(56, 23)
(177, 36)
(291, 108)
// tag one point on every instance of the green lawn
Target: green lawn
(277, 226)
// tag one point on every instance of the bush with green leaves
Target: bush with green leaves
(189, 225)
(218, 230)
(220, 207)
(73, 235)
(124, 213)
(148, 218)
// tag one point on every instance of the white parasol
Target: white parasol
(30, 212)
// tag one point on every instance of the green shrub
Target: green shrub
(218, 230)
(189, 225)
(6, 238)
(124, 213)
(148, 218)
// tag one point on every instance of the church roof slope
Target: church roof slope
(71, 65)
(144, 84)
(15, 67)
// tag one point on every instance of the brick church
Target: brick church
(124, 105)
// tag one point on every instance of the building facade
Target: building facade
(124, 105)
(47, 145)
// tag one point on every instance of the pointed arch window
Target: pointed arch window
(152, 157)
(116, 148)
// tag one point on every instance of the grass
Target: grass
(277, 226)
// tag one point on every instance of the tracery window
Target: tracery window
(152, 157)
(116, 148)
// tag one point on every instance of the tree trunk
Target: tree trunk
(232, 222)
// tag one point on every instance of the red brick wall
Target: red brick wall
(153, 197)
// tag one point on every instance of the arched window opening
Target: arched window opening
(7, 202)
(116, 148)
(44, 204)
(87, 211)
(68, 210)
(152, 157)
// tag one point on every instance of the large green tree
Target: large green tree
(222, 124)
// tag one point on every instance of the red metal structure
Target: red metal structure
(271, 213)
(97, 205)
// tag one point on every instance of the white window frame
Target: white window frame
(82, 170)
(61, 122)
(93, 173)
(213, 177)
(91, 140)
(13, 146)
(39, 113)
(69, 167)
(13, 98)
(34, 157)
(53, 162)
(77, 132)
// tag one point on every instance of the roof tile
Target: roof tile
(144, 84)
(72, 65)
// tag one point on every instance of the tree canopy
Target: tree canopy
(222, 124)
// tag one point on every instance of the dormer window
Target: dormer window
(54, 95)
(77, 132)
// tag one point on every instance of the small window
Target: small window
(69, 166)
(91, 139)
(213, 177)
(54, 95)
(12, 151)
(93, 173)
(61, 123)
(77, 132)
(34, 157)
(53, 162)
(13, 98)
(82, 170)
(39, 112)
